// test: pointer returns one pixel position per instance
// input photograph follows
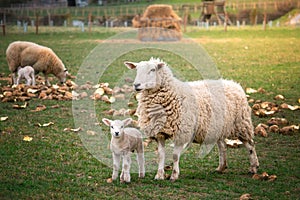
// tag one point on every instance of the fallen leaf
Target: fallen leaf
(245, 197)
(33, 91)
(73, 130)
(250, 91)
(55, 86)
(27, 138)
(55, 106)
(39, 108)
(279, 97)
(109, 180)
(16, 106)
(3, 118)
(45, 125)
(89, 132)
(233, 143)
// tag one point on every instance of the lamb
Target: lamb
(41, 58)
(26, 72)
(124, 141)
(203, 112)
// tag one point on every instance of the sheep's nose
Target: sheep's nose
(117, 133)
(136, 86)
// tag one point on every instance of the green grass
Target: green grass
(56, 164)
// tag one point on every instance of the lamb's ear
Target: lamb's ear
(160, 65)
(130, 65)
(107, 122)
(127, 121)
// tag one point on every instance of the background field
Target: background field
(56, 165)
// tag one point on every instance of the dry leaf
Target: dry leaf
(250, 91)
(3, 118)
(55, 86)
(279, 97)
(233, 143)
(16, 106)
(274, 129)
(27, 138)
(92, 133)
(109, 180)
(245, 197)
(45, 125)
(33, 91)
(73, 130)
(39, 108)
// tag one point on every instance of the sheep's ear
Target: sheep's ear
(107, 122)
(130, 65)
(160, 65)
(127, 121)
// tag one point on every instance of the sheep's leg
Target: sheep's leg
(125, 175)
(176, 156)
(254, 164)
(46, 80)
(116, 165)
(222, 155)
(161, 156)
(14, 77)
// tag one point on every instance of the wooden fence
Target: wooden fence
(131, 10)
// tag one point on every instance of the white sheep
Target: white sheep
(203, 112)
(42, 59)
(26, 72)
(124, 141)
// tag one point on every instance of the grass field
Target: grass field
(57, 165)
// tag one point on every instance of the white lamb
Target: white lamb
(26, 72)
(41, 58)
(203, 112)
(124, 141)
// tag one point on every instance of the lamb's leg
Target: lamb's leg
(125, 175)
(222, 155)
(28, 79)
(18, 80)
(33, 78)
(141, 160)
(116, 165)
(161, 156)
(176, 156)
(254, 164)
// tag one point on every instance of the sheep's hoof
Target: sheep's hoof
(253, 170)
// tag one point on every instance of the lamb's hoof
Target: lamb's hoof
(160, 175)
(142, 175)
(221, 169)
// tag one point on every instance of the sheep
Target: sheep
(203, 112)
(41, 58)
(124, 141)
(26, 72)
(13, 53)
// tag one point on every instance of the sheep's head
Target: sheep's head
(147, 73)
(62, 76)
(117, 126)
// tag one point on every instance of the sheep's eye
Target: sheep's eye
(152, 70)
(111, 127)
(122, 126)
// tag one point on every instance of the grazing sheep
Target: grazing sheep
(41, 58)
(26, 72)
(203, 112)
(124, 141)
(13, 56)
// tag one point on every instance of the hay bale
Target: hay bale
(159, 22)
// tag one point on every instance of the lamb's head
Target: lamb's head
(147, 76)
(117, 126)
